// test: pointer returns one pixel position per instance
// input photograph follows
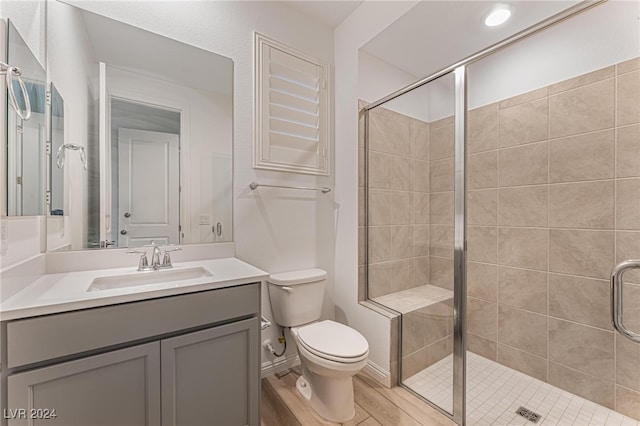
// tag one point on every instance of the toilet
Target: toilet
(330, 353)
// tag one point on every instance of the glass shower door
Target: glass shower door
(410, 231)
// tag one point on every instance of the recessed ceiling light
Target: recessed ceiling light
(497, 16)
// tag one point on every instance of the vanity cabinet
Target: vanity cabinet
(183, 360)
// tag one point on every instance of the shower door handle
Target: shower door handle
(617, 294)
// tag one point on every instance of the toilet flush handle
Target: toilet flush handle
(287, 288)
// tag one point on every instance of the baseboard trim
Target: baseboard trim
(378, 373)
(270, 368)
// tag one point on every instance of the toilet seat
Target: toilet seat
(333, 341)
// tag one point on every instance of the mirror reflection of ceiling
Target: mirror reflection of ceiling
(165, 59)
(435, 34)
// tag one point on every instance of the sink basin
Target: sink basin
(147, 277)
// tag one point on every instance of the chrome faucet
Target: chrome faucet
(143, 264)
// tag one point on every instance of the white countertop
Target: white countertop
(55, 293)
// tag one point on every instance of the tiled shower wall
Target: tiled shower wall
(398, 202)
(553, 204)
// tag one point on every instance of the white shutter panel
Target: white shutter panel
(291, 110)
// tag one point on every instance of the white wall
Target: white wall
(276, 230)
(377, 79)
(360, 27)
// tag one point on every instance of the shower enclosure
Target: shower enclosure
(499, 194)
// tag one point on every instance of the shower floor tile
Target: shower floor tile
(495, 392)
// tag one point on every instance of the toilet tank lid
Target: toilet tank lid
(297, 277)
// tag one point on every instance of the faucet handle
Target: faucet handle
(144, 262)
(166, 261)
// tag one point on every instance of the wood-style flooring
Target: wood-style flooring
(375, 405)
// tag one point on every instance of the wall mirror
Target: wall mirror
(25, 136)
(151, 119)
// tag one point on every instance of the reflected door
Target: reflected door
(148, 207)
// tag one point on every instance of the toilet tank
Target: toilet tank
(296, 296)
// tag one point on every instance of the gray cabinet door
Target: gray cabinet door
(211, 377)
(116, 388)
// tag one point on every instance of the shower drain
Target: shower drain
(528, 414)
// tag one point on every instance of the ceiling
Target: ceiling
(329, 12)
(436, 34)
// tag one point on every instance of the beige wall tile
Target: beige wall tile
(482, 317)
(628, 247)
(583, 253)
(628, 66)
(401, 241)
(585, 109)
(401, 173)
(441, 241)
(420, 141)
(583, 157)
(482, 281)
(421, 270)
(443, 122)
(628, 151)
(627, 362)
(401, 208)
(523, 206)
(511, 324)
(421, 207)
(379, 244)
(441, 175)
(441, 142)
(402, 274)
(389, 132)
(441, 208)
(414, 331)
(581, 80)
(523, 248)
(420, 176)
(485, 109)
(526, 165)
(361, 207)
(628, 98)
(578, 299)
(379, 207)
(581, 384)
(524, 98)
(524, 123)
(360, 167)
(361, 257)
(413, 363)
(523, 289)
(531, 365)
(628, 204)
(481, 346)
(482, 170)
(482, 244)
(421, 240)
(581, 205)
(441, 272)
(628, 402)
(361, 283)
(483, 132)
(631, 306)
(380, 170)
(482, 207)
(583, 348)
(380, 279)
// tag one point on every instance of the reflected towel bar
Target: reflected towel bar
(324, 189)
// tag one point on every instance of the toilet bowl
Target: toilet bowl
(330, 353)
